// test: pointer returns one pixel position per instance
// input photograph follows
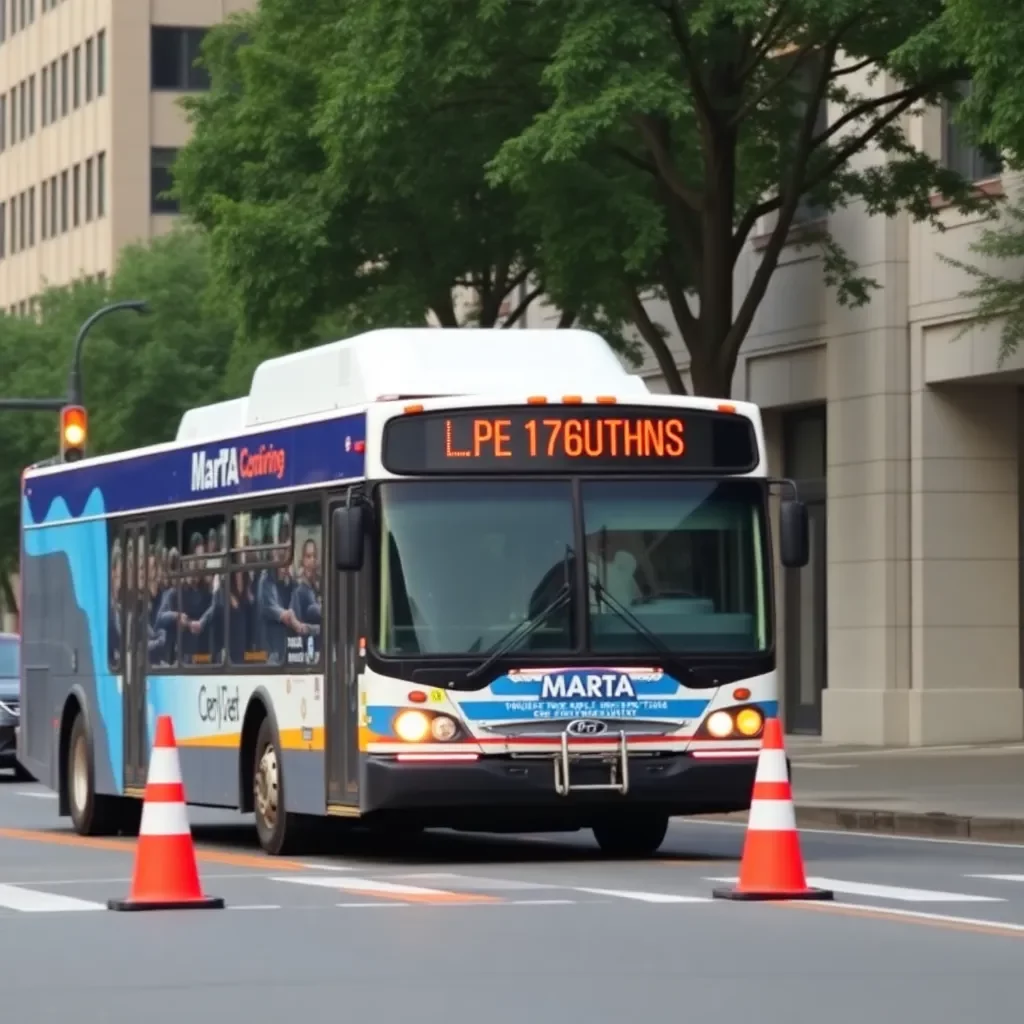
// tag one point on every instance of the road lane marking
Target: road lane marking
(356, 906)
(257, 906)
(999, 878)
(31, 901)
(890, 892)
(387, 890)
(238, 860)
(978, 926)
(36, 795)
(476, 881)
(849, 833)
(643, 897)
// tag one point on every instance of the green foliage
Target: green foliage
(989, 37)
(605, 150)
(139, 372)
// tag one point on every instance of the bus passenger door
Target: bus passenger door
(134, 655)
(341, 707)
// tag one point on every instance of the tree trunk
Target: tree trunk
(709, 378)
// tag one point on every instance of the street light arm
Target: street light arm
(75, 374)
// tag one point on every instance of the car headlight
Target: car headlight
(720, 725)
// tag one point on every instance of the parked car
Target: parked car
(10, 702)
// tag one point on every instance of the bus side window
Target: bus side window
(304, 622)
(201, 616)
(164, 562)
(115, 600)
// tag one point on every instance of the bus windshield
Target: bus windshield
(463, 563)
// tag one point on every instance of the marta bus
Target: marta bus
(467, 579)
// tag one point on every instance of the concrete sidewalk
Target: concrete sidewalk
(967, 792)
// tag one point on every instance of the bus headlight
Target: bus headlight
(749, 722)
(412, 726)
(719, 724)
(443, 729)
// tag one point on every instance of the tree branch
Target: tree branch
(852, 69)
(523, 306)
(789, 197)
(792, 66)
(654, 134)
(913, 93)
(768, 40)
(681, 34)
(650, 333)
(633, 160)
(567, 319)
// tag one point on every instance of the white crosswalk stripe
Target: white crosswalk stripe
(890, 892)
(33, 901)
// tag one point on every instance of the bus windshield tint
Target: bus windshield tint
(463, 564)
(685, 558)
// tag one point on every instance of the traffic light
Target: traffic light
(74, 432)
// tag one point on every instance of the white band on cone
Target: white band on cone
(160, 819)
(771, 766)
(164, 766)
(771, 816)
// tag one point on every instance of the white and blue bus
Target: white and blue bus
(480, 580)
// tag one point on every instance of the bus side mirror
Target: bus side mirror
(794, 535)
(348, 531)
(794, 540)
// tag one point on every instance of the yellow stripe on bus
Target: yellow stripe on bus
(291, 739)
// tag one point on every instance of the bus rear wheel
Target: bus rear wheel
(91, 813)
(279, 832)
(631, 836)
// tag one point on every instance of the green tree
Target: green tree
(328, 204)
(139, 373)
(989, 35)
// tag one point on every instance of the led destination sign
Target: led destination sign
(530, 439)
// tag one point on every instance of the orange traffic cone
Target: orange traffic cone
(772, 867)
(166, 876)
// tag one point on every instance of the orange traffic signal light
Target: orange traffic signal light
(74, 432)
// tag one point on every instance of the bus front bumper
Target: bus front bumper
(447, 793)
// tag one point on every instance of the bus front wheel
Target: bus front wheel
(278, 831)
(91, 813)
(631, 836)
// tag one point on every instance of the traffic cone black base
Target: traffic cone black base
(206, 903)
(768, 897)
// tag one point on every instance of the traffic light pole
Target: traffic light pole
(75, 374)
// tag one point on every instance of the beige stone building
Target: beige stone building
(88, 128)
(906, 627)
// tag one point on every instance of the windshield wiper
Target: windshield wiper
(529, 626)
(602, 594)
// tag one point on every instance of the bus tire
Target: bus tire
(278, 831)
(91, 813)
(631, 836)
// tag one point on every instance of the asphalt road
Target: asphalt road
(466, 928)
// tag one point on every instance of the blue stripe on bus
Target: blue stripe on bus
(279, 459)
(84, 545)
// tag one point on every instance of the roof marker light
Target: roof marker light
(413, 409)
(726, 407)
(536, 400)
(606, 400)
(572, 399)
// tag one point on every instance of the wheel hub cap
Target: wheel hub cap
(266, 787)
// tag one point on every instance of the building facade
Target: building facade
(89, 126)
(904, 434)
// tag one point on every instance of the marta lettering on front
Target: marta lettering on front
(592, 686)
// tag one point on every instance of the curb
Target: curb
(932, 824)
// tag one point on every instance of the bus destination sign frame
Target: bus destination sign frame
(570, 439)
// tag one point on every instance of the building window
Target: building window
(3, 122)
(64, 75)
(44, 210)
(31, 104)
(63, 201)
(101, 63)
(76, 195)
(173, 58)
(161, 180)
(21, 222)
(14, 115)
(44, 92)
(975, 163)
(32, 216)
(101, 185)
(88, 190)
(88, 69)
(54, 223)
(3, 216)
(3, 23)
(22, 111)
(53, 92)
(76, 77)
